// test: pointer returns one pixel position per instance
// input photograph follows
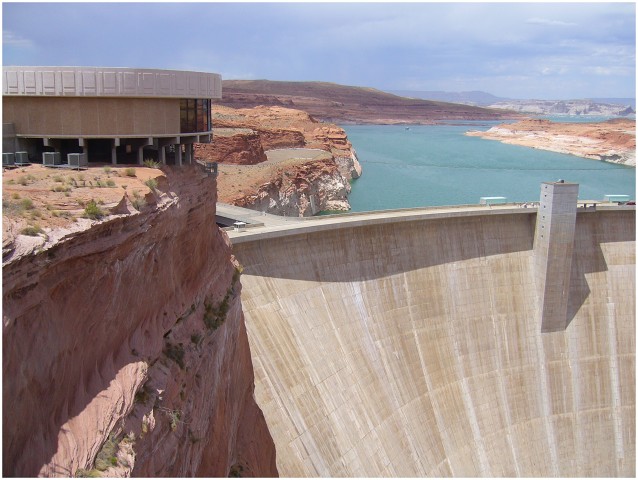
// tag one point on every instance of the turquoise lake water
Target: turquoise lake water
(439, 165)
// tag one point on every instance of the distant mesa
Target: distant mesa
(330, 102)
(588, 106)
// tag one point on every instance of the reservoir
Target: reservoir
(429, 165)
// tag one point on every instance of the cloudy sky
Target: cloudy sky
(516, 50)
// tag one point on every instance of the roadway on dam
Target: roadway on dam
(408, 343)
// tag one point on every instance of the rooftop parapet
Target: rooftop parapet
(109, 82)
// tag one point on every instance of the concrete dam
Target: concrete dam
(410, 343)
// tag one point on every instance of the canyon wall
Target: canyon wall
(412, 347)
(292, 164)
(130, 336)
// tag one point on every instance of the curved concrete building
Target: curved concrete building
(412, 344)
(118, 115)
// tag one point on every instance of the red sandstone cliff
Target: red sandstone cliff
(260, 168)
(126, 344)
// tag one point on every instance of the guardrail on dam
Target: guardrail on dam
(410, 344)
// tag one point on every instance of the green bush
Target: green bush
(138, 201)
(107, 456)
(32, 230)
(82, 473)
(150, 163)
(175, 353)
(26, 204)
(93, 211)
(151, 183)
(130, 172)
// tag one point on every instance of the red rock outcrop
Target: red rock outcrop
(300, 191)
(284, 184)
(238, 148)
(131, 334)
(611, 141)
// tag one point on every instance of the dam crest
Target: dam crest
(414, 342)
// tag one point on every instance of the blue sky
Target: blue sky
(516, 50)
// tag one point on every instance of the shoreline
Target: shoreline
(612, 141)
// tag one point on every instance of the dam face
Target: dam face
(414, 348)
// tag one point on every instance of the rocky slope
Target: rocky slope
(125, 351)
(335, 103)
(280, 161)
(564, 107)
(612, 141)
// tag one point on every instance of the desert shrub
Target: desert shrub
(93, 211)
(150, 163)
(215, 315)
(138, 201)
(143, 394)
(196, 338)
(236, 471)
(32, 231)
(107, 170)
(151, 183)
(106, 457)
(26, 204)
(175, 353)
(82, 473)
(174, 417)
(130, 172)
(110, 183)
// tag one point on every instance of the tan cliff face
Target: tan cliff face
(261, 168)
(132, 333)
(611, 141)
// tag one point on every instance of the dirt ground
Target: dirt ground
(36, 197)
(239, 180)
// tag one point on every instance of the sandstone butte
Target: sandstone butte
(611, 141)
(280, 160)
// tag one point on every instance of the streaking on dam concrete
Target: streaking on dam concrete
(410, 343)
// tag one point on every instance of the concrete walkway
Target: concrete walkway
(266, 226)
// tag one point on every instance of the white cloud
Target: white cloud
(10, 38)
(548, 22)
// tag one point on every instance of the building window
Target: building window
(194, 115)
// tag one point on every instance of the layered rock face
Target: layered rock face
(275, 177)
(612, 141)
(131, 334)
(301, 191)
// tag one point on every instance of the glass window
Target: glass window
(194, 115)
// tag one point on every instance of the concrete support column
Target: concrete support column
(178, 154)
(140, 155)
(161, 151)
(114, 144)
(189, 153)
(84, 145)
(553, 247)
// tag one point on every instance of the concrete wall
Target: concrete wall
(86, 116)
(109, 81)
(415, 349)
